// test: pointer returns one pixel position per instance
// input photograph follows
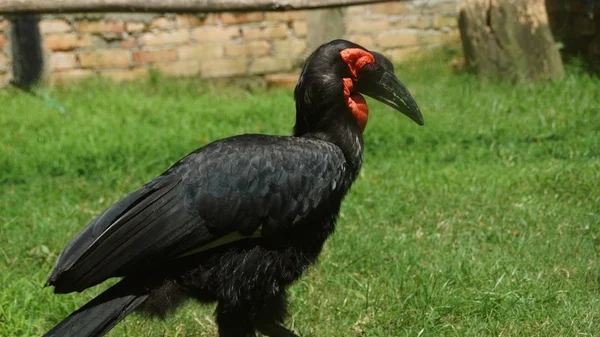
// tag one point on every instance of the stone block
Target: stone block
(162, 23)
(59, 61)
(188, 21)
(54, 26)
(389, 8)
(300, 28)
(134, 27)
(289, 48)
(358, 10)
(366, 26)
(67, 42)
(2, 41)
(365, 40)
(445, 22)
(199, 52)
(223, 68)
(265, 65)
(104, 59)
(398, 39)
(248, 49)
(181, 36)
(180, 68)
(241, 18)
(215, 34)
(286, 16)
(278, 31)
(101, 26)
(154, 56)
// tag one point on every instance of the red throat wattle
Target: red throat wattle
(356, 58)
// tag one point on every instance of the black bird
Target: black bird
(238, 220)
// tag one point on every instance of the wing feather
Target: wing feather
(223, 192)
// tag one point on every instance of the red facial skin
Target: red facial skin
(356, 58)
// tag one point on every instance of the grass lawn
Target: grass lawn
(484, 222)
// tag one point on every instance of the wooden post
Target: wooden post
(509, 39)
(324, 25)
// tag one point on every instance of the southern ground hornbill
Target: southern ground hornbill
(238, 220)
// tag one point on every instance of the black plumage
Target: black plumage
(235, 222)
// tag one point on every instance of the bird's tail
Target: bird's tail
(101, 314)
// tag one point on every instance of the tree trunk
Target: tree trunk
(509, 39)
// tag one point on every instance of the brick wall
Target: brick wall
(126, 46)
(576, 23)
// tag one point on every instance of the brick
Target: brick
(2, 41)
(134, 27)
(402, 54)
(211, 19)
(358, 10)
(266, 65)
(397, 39)
(67, 42)
(220, 34)
(180, 68)
(288, 80)
(223, 68)
(412, 21)
(431, 37)
(286, 16)
(162, 23)
(278, 31)
(122, 75)
(300, 28)
(289, 48)
(60, 61)
(67, 76)
(241, 18)
(389, 8)
(366, 26)
(54, 26)
(442, 8)
(128, 43)
(364, 40)
(188, 20)
(199, 52)
(445, 22)
(180, 36)
(248, 49)
(101, 27)
(104, 59)
(154, 56)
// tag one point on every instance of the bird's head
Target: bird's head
(332, 81)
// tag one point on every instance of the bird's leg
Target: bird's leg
(234, 323)
(272, 315)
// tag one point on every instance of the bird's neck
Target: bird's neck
(341, 129)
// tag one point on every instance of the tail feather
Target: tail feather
(101, 314)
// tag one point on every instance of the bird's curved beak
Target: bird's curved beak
(384, 86)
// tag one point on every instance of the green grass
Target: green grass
(484, 222)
